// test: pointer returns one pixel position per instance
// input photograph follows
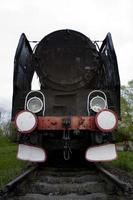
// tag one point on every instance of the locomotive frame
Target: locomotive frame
(78, 104)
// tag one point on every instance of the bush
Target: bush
(124, 161)
(8, 129)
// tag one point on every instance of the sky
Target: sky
(37, 18)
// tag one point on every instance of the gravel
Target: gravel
(122, 175)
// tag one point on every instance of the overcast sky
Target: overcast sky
(37, 18)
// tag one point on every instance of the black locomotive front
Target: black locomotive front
(78, 104)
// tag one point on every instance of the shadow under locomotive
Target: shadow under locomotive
(78, 104)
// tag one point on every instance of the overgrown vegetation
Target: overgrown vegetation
(125, 130)
(124, 161)
(9, 131)
(124, 134)
(9, 165)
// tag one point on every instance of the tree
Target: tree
(125, 130)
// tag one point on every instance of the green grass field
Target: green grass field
(10, 167)
(124, 161)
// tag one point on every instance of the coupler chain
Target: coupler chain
(67, 148)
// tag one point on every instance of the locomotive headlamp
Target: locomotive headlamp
(106, 120)
(25, 121)
(34, 104)
(97, 104)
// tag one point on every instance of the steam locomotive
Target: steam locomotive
(78, 105)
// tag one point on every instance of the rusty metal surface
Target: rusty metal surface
(56, 123)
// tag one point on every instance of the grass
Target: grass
(10, 167)
(124, 161)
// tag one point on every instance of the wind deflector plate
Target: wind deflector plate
(23, 70)
(110, 61)
(111, 73)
